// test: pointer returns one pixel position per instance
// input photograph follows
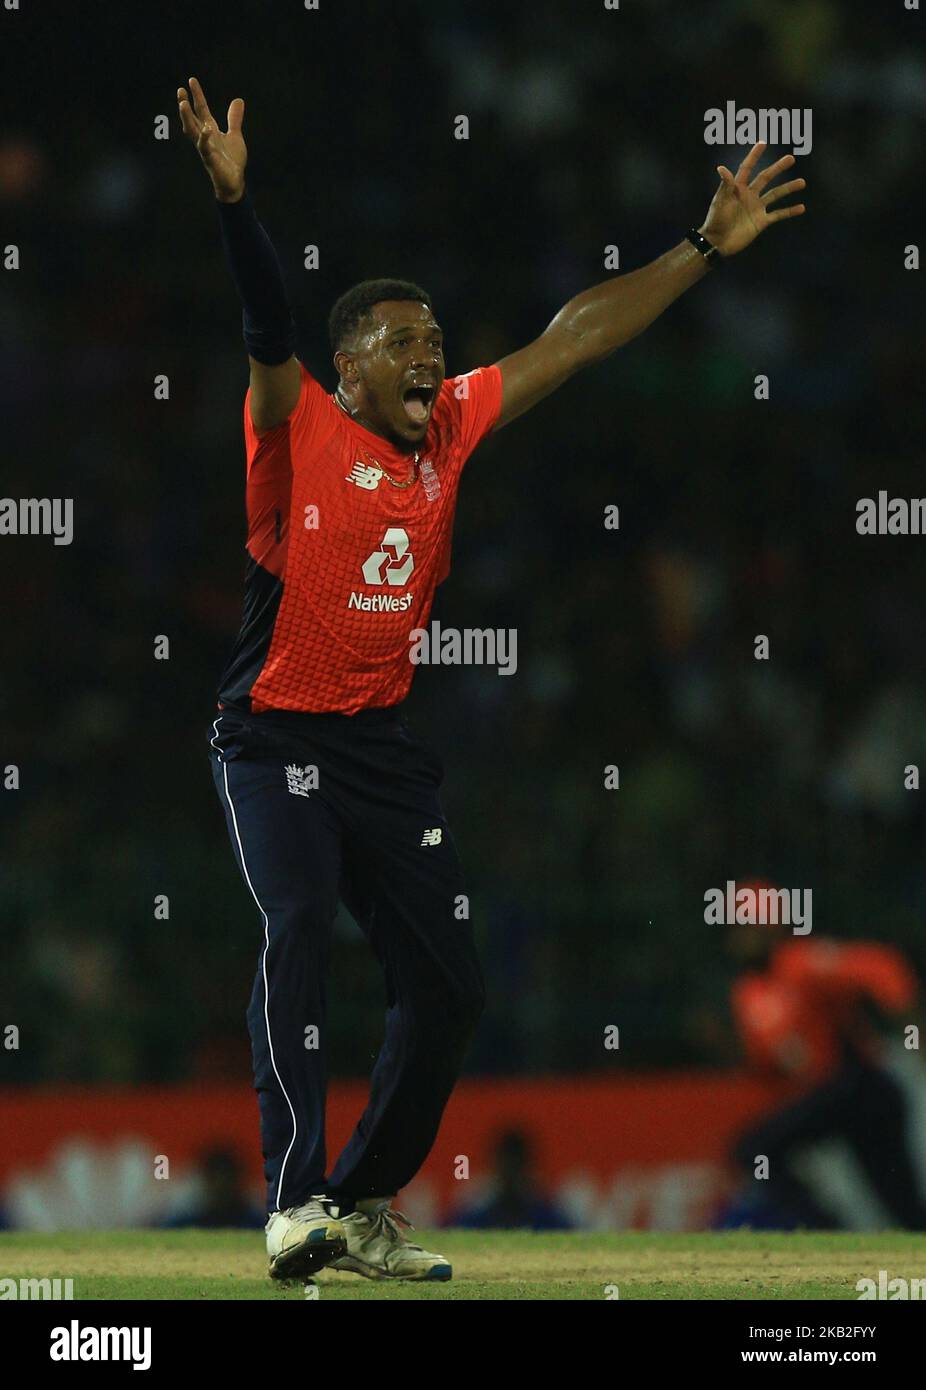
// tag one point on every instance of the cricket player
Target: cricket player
(810, 1012)
(327, 793)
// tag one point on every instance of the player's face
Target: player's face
(401, 369)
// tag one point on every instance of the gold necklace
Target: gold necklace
(409, 481)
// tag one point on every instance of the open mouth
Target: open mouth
(418, 401)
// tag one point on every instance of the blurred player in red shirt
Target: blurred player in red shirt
(807, 1011)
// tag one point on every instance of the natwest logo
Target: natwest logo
(380, 603)
(393, 563)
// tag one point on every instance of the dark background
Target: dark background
(635, 647)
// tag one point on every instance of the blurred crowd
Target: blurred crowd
(635, 645)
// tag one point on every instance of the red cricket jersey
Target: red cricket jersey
(342, 565)
(797, 1017)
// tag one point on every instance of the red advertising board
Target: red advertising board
(626, 1151)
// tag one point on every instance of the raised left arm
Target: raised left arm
(602, 319)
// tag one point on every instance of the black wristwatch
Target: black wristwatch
(710, 253)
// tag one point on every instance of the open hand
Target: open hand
(223, 154)
(739, 211)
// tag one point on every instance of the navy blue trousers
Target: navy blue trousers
(320, 808)
(864, 1106)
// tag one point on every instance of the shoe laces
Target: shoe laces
(388, 1220)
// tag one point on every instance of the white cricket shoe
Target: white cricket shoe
(303, 1239)
(377, 1249)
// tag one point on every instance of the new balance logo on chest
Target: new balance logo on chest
(365, 475)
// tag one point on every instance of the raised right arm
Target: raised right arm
(269, 331)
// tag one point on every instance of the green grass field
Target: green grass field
(487, 1265)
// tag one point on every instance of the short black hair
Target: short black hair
(355, 304)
